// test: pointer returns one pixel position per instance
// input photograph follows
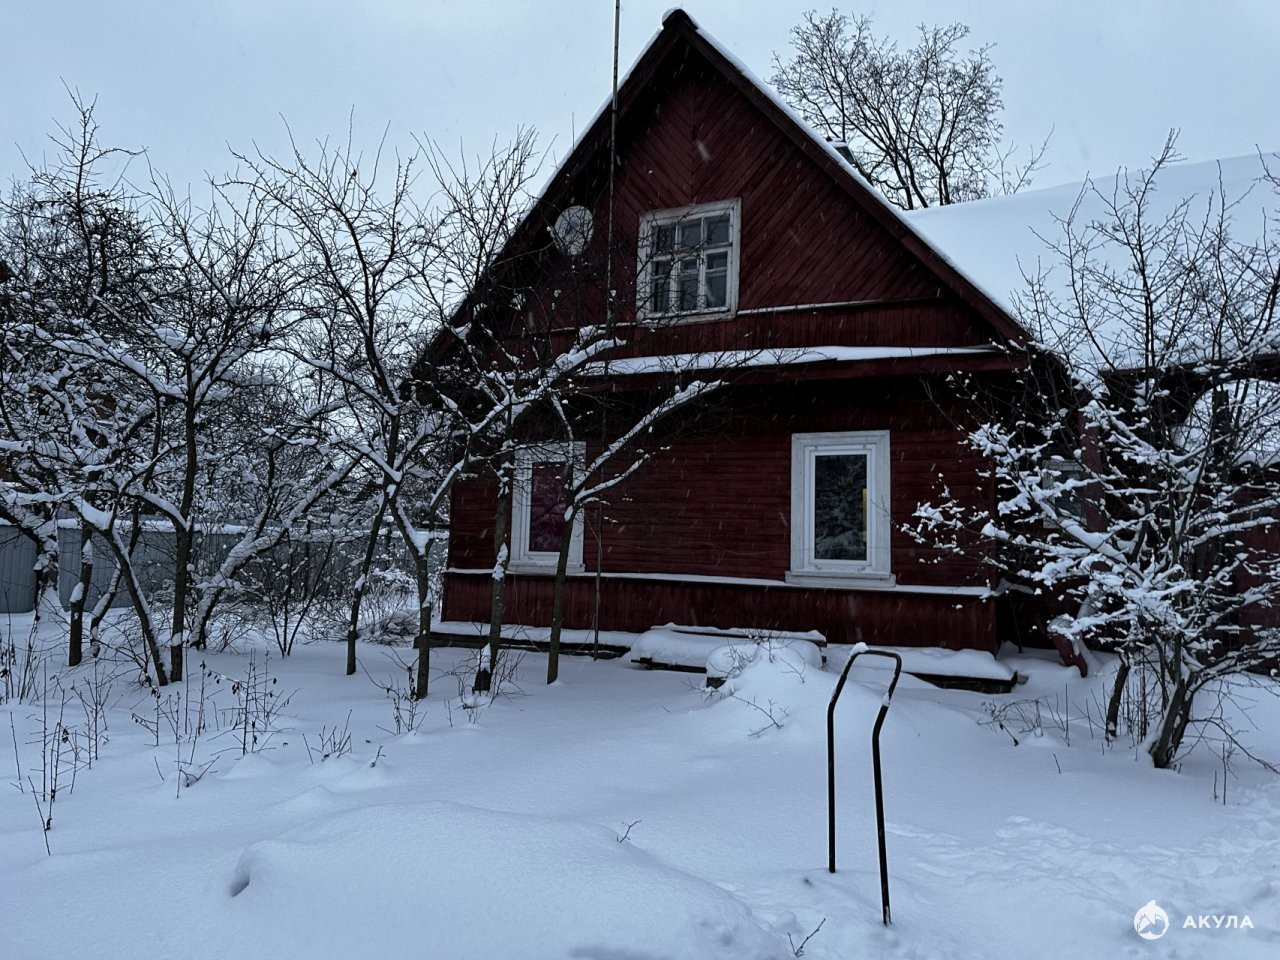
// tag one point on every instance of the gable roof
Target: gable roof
(680, 38)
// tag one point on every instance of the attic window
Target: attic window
(688, 260)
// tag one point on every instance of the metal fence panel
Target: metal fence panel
(325, 560)
(17, 572)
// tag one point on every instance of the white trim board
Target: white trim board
(869, 586)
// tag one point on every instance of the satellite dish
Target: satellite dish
(572, 230)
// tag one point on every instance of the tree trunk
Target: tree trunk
(484, 673)
(389, 491)
(175, 661)
(80, 596)
(101, 608)
(181, 572)
(46, 598)
(1117, 695)
(145, 623)
(422, 568)
(362, 584)
(557, 599)
(1164, 749)
(184, 533)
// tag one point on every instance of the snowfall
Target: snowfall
(619, 814)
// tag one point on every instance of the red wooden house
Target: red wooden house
(741, 235)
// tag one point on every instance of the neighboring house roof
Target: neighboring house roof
(680, 37)
(1003, 242)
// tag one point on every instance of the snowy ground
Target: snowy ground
(496, 832)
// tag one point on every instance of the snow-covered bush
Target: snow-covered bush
(728, 661)
(764, 677)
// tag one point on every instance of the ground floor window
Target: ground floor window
(840, 504)
(540, 499)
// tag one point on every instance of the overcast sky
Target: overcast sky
(185, 79)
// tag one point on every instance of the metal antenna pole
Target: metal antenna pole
(608, 305)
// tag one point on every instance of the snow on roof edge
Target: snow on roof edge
(604, 108)
(767, 357)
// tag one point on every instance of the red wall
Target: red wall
(717, 502)
(842, 616)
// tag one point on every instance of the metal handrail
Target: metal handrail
(875, 760)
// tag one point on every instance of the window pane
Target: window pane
(687, 286)
(717, 288)
(691, 234)
(1062, 474)
(840, 507)
(662, 238)
(660, 288)
(718, 230)
(547, 501)
(717, 261)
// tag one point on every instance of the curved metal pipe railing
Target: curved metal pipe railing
(875, 761)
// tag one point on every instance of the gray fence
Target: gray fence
(17, 578)
(319, 560)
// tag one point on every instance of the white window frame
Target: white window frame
(1069, 503)
(805, 448)
(538, 561)
(645, 254)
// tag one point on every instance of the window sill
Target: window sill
(866, 580)
(542, 568)
(683, 319)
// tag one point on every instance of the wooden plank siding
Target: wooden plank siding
(717, 502)
(803, 239)
(843, 616)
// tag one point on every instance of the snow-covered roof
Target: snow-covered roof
(1001, 242)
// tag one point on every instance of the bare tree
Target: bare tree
(378, 274)
(85, 268)
(922, 125)
(60, 218)
(589, 483)
(363, 257)
(223, 309)
(1141, 489)
(510, 394)
(277, 477)
(142, 351)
